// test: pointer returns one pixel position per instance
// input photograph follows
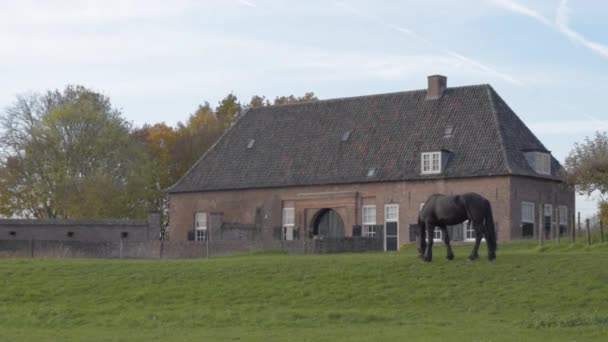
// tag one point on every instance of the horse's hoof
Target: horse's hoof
(450, 257)
(472, 257)
(491, 257)
(427, 259)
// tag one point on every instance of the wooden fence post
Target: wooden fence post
(588, 233)
(31, 247)
(602, 231)
(541, 233)
(573, 228)
(579, 222)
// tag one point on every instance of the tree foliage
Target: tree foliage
(586, 166)
(69, 154)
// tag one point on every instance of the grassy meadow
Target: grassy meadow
(527, 294)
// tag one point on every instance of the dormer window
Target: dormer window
(345, 136)
(448, 131)
(430, 163)
(539, 161)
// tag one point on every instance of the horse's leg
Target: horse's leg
(428, 255)
(478, 236)
(446, 240)
(491, 244)
(421, 241)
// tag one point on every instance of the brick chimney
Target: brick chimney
(437, 84)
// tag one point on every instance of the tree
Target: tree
(159, 142)
(586, 166)
(603, 209)
(308, 97)
(227, 111)
(69, 154)
(258, 101)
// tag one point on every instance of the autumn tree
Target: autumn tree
(586, 166)
(69, 154)
(308, 97)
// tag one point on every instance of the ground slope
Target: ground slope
(526, 294)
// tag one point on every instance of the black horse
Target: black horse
(442, 210)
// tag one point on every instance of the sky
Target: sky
(158, 60)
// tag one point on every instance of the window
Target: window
(548, 210)
(448, 131)
(548, 219)
(469, 231)
(200, 227)
(563, 215)
(288, 223)
(539, 161)
(345, 136)
(527, 219)
(371, 172)
(250, 144)
(437, 234)
(431, 162)
(543, 163)
(392, 212)
(527, 212)
(369, 221)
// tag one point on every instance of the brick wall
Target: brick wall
(504, 193)
(347, 200)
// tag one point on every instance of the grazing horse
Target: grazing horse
(442, 210)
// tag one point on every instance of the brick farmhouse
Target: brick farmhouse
(362, 166)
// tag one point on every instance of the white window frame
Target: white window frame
(201, 225)
(467, 231)
(527, 214)
(289, 219)
(430, 163)
(391, 214)
(437, 234)
(548, 211)
(563, 215)
(368, 221)
(543, 163)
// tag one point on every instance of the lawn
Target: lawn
(558, 293)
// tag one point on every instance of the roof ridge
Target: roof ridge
(490, 92)
(342, 98)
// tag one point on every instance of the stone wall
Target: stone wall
(176, 249)
(82, 230)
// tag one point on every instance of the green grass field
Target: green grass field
(558, 293)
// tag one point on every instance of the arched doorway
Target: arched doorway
(328, 224)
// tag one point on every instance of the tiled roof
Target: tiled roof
(301, 144)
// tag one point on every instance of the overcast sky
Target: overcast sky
(157, 60)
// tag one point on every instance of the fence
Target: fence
(176, 249)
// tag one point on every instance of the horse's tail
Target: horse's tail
(490, 228)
